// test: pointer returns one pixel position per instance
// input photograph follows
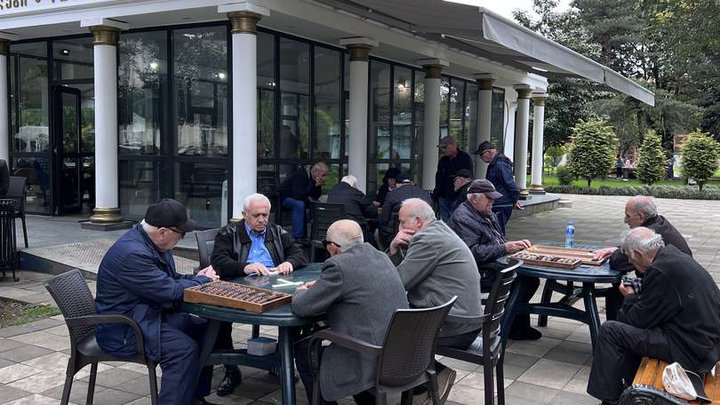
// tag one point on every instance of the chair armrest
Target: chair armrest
(347, 342)
(466, 319)
(90, 320)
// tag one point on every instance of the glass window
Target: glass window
(471, 109)
(497, 135)
(327, 136)
(402, 114)
(200, 91)
(30, 98)
(379, 109)
(73, 58)
(444, 107)
(294, 99)
(39, 190)
(457, 111)
(266, 95)
(142, 72)
(140, 185)
(200, 187)
(419, 112)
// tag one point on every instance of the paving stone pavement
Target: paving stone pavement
(552, 370)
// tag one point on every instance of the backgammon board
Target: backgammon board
(556, 253)
(232, 295)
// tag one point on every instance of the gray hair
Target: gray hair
(319, 167)
(418, 208)
(148, 228)
(256, 197)
(644, 205)
(351, 180)
(642, 239)
(345, 233)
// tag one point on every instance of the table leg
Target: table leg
(591, 309)
(287, 356)
(207, 345)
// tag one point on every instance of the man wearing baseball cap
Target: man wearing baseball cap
(453, 159)
(137, 278)
(500, 174)
(477, 225)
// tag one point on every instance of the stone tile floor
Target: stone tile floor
(553, 370)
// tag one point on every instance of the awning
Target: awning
(483, 33)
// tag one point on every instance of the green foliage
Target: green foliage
(681, 192)
(700, 155)
(564, 175)
(553, 155)
(652, 163)
(592, 152)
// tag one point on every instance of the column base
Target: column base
(107, 226)
(106, 215)
(537, 189)
(524, 194)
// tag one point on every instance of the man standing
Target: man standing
(300, 189)
(251, 246)
(435, 265)
(358, 291)
(476, 224)
(453, 159)
(137, 278)
(674, 318)
(500, 174)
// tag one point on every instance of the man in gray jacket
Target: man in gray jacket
(358, 291)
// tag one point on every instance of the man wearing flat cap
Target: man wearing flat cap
(462, 181)
(453, 160)
(137, 278)
(500, 174)
(476, 224)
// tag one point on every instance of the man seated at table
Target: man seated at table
(675, 317)
(639, 211)
(387, 221)
(477, 225)
(435, 265)
(358, 206)
(137, 278)
(251, 246)
(299, 190)
(358, 291)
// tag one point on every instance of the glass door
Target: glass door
(67, 151)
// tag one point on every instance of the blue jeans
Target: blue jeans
(445, 206)
(298, 216)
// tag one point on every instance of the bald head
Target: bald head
(344, 233)
(415, 214)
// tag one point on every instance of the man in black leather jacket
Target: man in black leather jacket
(251, 246)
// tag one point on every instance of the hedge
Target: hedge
(683, 193)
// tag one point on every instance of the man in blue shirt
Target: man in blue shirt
(251, 246)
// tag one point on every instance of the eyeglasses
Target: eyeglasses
(181, 233)
(328, 242)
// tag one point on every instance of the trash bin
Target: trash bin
(8, 247)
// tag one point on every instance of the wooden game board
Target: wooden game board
(232, 295)
(584, 255)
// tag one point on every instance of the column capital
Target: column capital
(433, 67)
(359, 47)
(243, 22)
(105, 35)
(484, 81)
(539, 98)
(4, 47)
(523, 91)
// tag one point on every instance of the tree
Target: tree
(700, 155)
(652, 163)
(592, 152)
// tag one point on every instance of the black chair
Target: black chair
(76, 302)
(322, 216)
(493, 350)
(405, 360)
(17, 192)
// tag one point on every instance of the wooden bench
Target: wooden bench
(648, 387)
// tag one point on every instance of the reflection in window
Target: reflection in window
(379, 146)
(141, 72)
(37, 172)
(498, 119)
(327, 104)
(294, 99)
(457, 113)
(444, 106)
(402, 114)
(29, 97)
(200, 188)
(266, 95)
(471, 117)
(201, 91)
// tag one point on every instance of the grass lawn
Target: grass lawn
(619, 183)
(17, 313)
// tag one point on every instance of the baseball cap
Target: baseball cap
(486, 145)
(169, 213)
(447, 141)
(403, 178)
(485, 187)
(464, 173)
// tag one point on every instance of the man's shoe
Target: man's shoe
(231, 380)
(525, 334)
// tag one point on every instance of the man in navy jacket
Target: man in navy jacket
(137, 278)
(500, 174)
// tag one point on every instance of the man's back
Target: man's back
(661, 226)
(357, 205)
(500, 174)
(394, 200)
(299, 186)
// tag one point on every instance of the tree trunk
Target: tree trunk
(589, 180)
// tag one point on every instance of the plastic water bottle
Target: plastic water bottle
(570, 234)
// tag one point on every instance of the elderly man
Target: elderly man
(639, 211)
(300, 189)
(476, 224)
(137, 278)
(453, 159)
(251, 246)
(358, 206)
(358, 291)
(403, 190)
(435, 265)
(675, 317)
(500, 174)
(463, 178)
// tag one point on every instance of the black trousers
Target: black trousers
(503, 215)
(619, 349)
(613, 302)
(224, 342)
(531, 284)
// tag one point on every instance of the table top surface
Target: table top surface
(280, 316)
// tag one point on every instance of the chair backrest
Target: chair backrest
(206, 244)
(495, 304)
(17, 192)
(73, 297)
(323, 215)
(409, 345)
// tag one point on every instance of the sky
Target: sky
(506, 7)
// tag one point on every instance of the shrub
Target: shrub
(700, 157)
(652, 164)
(564, 175)
(680, 192)
(592, 152)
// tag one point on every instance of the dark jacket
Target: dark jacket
(137, 280)
(394, 200)
(680, 298)
(500, 174)
(300, 186)
(462, 193)
(445, 175)
(357, 205)
(4, 177)
(661, 226)
(483, 235)
(232, 247)
(359, 290)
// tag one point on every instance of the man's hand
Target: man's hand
(209, 272)
(284, 268)
(401, 239)
(518, 206)
(256, 268)
(306, 285)
(517, 245)
(603, 253)
(625, 290)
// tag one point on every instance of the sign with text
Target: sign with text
(12, 7)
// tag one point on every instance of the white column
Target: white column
(4, 117)
(244, 18)
(358, 107)
(484, 119)
(536, 186)
(431, 123)
(521, 138)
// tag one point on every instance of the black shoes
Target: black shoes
(527, 333)
(231, 380)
